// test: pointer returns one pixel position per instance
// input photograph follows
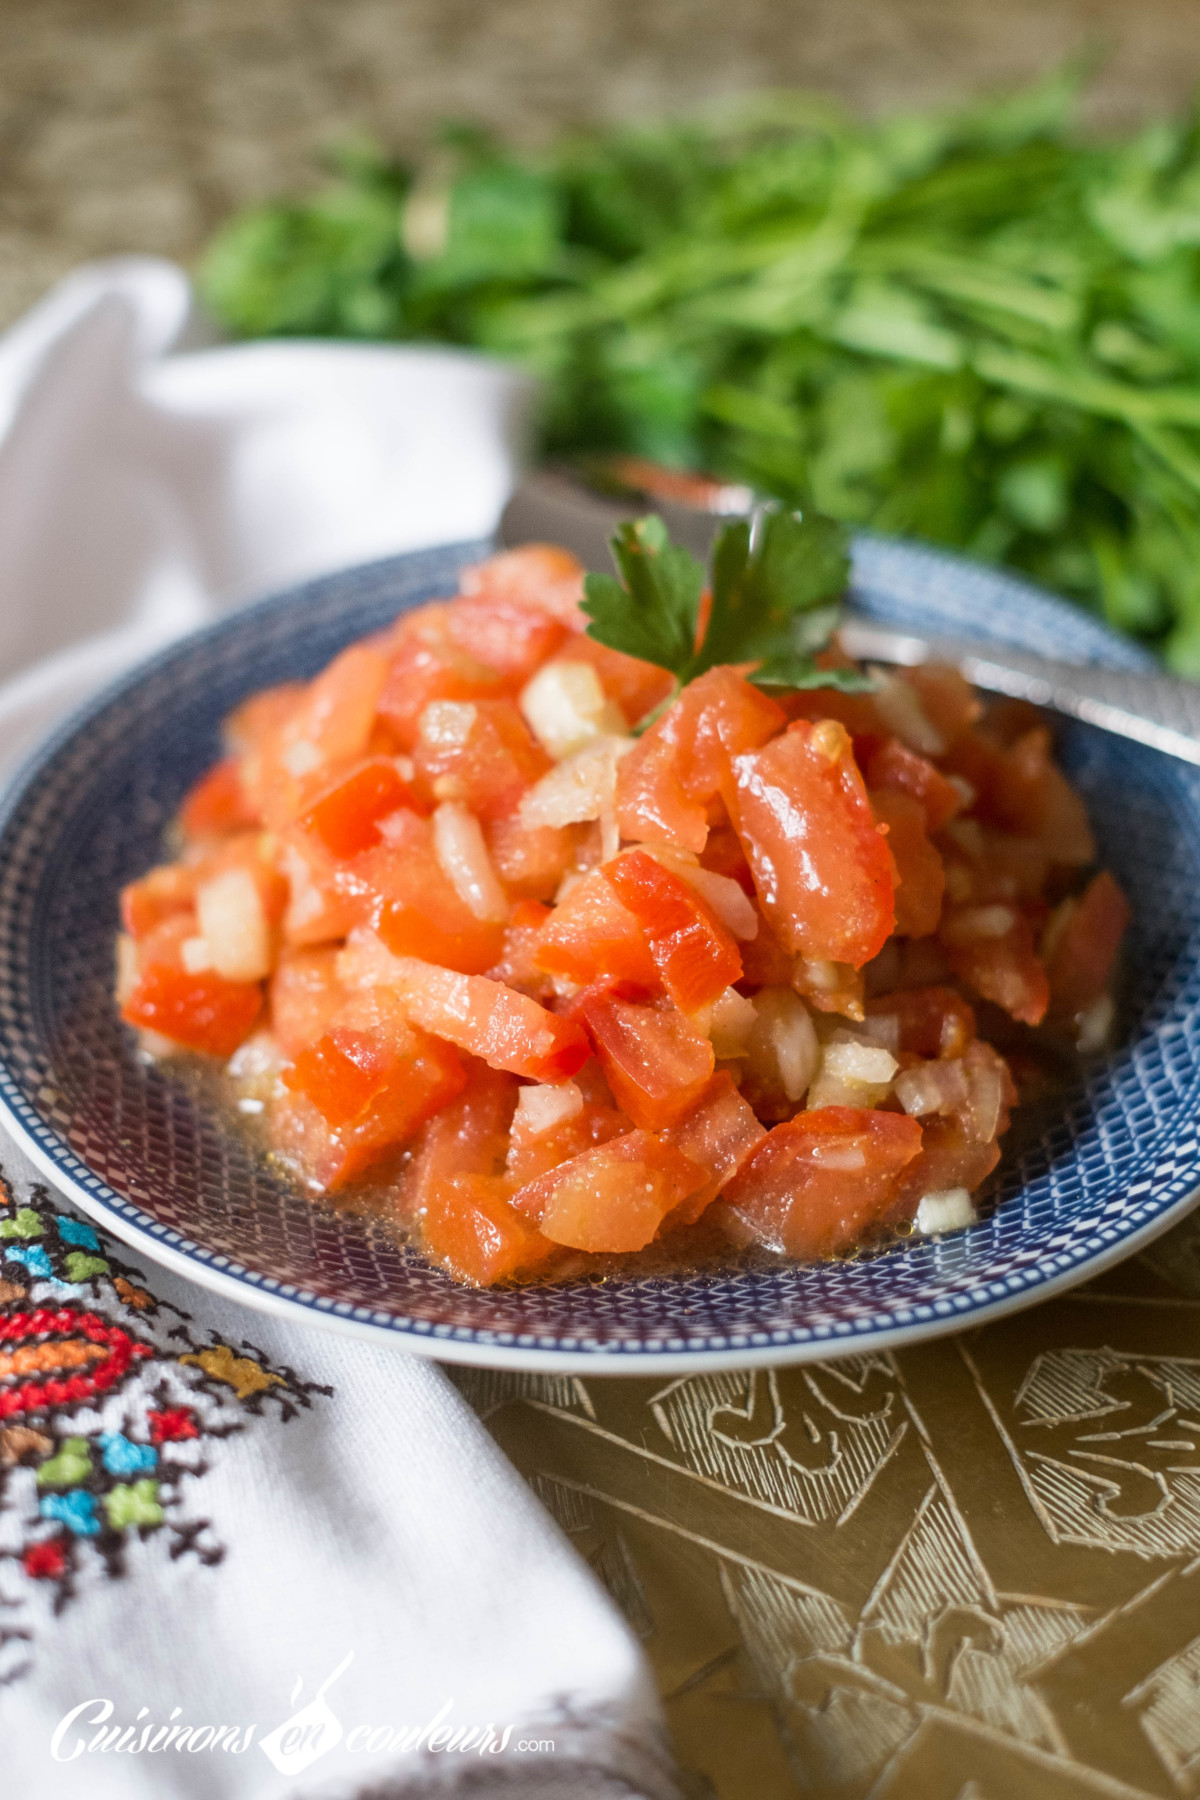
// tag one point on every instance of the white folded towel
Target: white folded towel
(267, 1560)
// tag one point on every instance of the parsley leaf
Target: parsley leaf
(775, 594)
(654, 614)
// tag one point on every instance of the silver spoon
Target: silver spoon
(1158, 710)
(1152, 709)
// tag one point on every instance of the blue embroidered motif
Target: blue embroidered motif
(74, 1231)
(123, 1457)
(32, 1255)
(77, 1511)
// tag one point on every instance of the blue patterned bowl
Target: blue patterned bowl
(155, 1162)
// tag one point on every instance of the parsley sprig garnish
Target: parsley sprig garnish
(776, 593)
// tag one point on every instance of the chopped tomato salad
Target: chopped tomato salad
(541, 986)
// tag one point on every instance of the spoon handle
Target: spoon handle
(1158, 710)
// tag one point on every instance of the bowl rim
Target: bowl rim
(664, 1353)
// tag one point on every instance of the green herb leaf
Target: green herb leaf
(774, 599)
(655, 613)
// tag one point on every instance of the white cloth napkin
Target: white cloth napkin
(261, 1525)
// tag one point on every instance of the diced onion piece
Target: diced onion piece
(364, 961)
(578, 790)
(985, 1099)
(195, 955)
(733, 1019)
(565, 707)
(900, 705)
(727, 897)
(301, 758)
(233, 921)
(256, 1058)
(868, 1063)
(1095, 1027)
(447, 724)
(977, 922)
(852, 1074)
(459, 844)
(951, 1210)
(783, 1043)
(543, 1107)
(932, 1087)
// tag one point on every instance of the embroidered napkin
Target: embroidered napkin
(239, 1558)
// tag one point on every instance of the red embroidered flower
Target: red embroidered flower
(169, 1426)
(46, 1561)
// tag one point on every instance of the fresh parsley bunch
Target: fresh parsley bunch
(974, 325)
(772, 602)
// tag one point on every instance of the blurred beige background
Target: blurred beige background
(138, 124)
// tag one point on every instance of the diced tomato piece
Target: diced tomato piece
(505, 634)
(651, 802)
(1021, 789)
(326, 1160)
(479, 752)
(991, 948)
(374, 1080)
(346, 815)
(694, 953)
(428, 665)
(416, 909)
(765, 961)
(636, 686)
(822, 869)
(921, 877)
(305, 995)
(948, 700)
(720, 1133)
(217, 803)
(931, 1021)
(984, 864)
(467, 1137)
(950, 1157)
(505, 1029)
(531, 1154)
(613, 1197)
(260, 716)
(655, 1061)
(1035, 799)
(819, 1180)
(160, 894)
(328, 727)
(202, 1012)
(897, 767)
(321, 905)
(338, 711)
(530, 860)
(471, 1230)
(541, 576)
(723, 855)
(517, 964)
(592, 936)
(860, 714)
(1081, 946)
(681, 763)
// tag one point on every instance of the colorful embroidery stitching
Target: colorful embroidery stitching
(107, 1399)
